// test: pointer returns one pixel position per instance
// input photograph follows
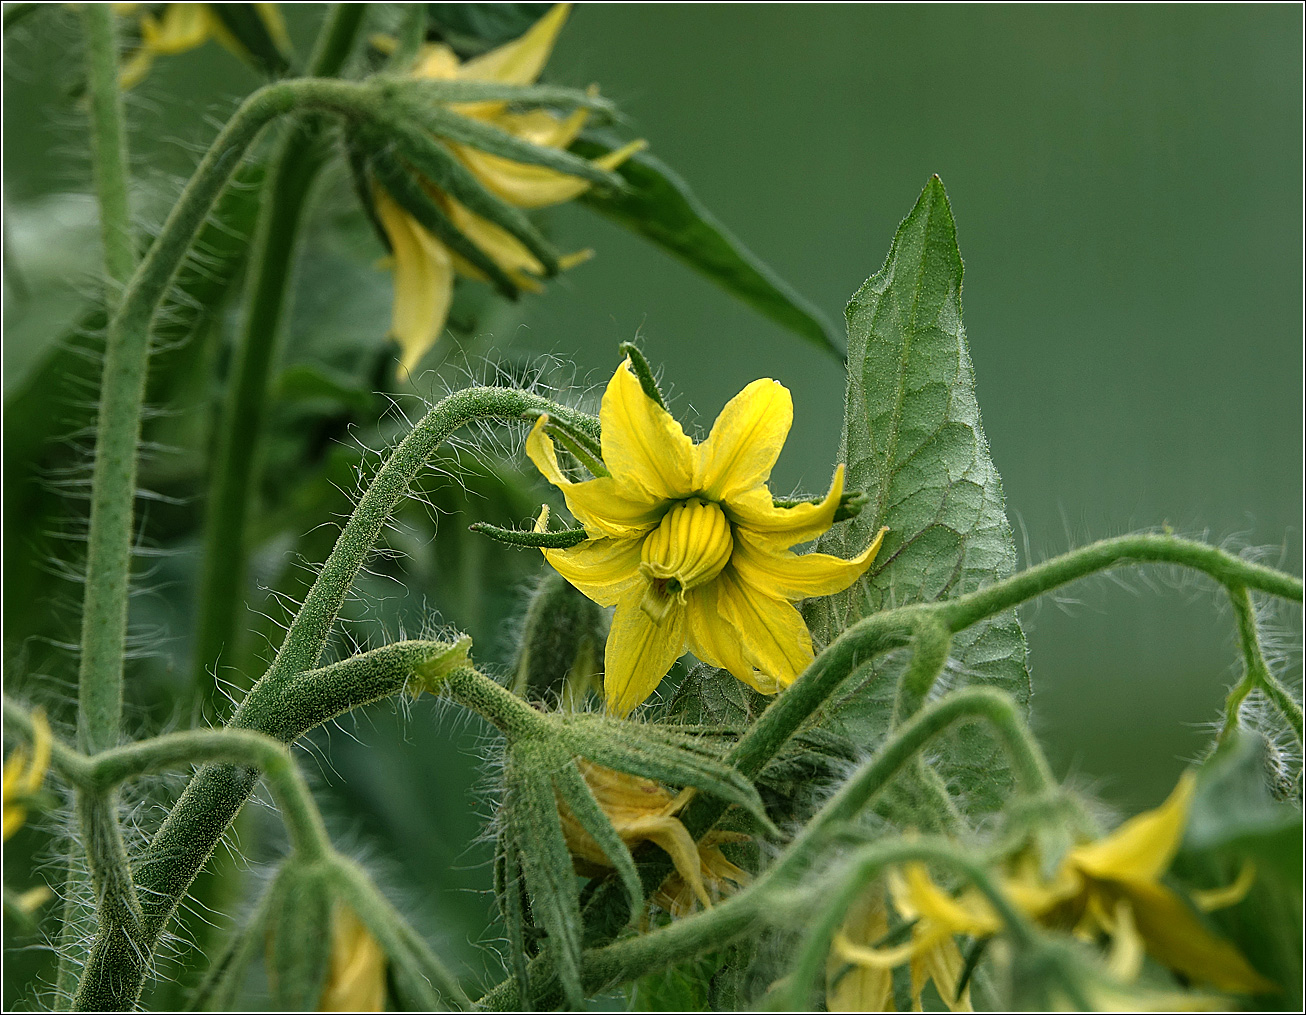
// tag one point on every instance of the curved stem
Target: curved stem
(294, 169)
(1256, 673)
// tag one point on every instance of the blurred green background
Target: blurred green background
(1127, 185)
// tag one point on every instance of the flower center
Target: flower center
(688, 549)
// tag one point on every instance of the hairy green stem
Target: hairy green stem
(291, 698)
(495, 703)
(1256, 673)
(797, 988)
(294, 169)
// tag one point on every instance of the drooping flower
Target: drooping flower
(1112, 887)
(686, 542)
(23, 775)
(182, 27)
(1109, 888)
(356, 974)
(641, 810)
(423, 266)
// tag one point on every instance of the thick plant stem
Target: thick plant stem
(291, 697)
(294, 169)
(1256, 673)
(108, 144)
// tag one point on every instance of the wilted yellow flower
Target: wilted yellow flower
(183, 27)
(22, 778)
(423, 266)
(641, 810)
(930, 949)
(1113, 887)
(686, 542)
(356, 974)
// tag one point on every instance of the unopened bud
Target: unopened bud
(561, 648)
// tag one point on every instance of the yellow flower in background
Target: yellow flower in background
(356, 974)
(930, 950)
(643, 811)
(686, 541)
(183, 27)
(23, 776)
(423, 266)
(1113, 887)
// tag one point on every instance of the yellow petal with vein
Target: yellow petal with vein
(598, 504)
(423, 282)
(775, 639)
(1140, 849)
(643, 445)
(639, 652)
(792, 576)
(1176, 938)
(519, 62)
(745, 441)
(602, 569)
(710, 636)
(675, 839)
(785, 527)
(863, 988)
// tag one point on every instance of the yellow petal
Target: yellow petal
(865, 987)
(1176, 938)
(775, 639)
(1125, 959)
(790, 576)
(602, 569)
(639, 652)
(745, 441)
(643, 446)
(943, 964)
(423, 282)
(915, 895)
(788, 526)
(134, 68)
(1210, 899)
(598, 504)
(675, 839)
(711, 637)
(498, 244)
(1140, 849)
(435, 62)
(42, 742)
(520, 184)
(355, 978)
(13, 820)
(182, 27)
(270, 15)
(519, 62)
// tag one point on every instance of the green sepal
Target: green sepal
(659, 205)
(221, 984)
(561, 540)
(546, 861)
(644, 372)
(489, 139)
(430, 673)
(299, 936)
(576, 794)
(662, 754)
(435, 162)
(249, 29)
(509, 883)
(356, 155)
(409, 195)
(914, 442)
(416, 96)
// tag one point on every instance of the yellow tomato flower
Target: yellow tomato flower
(930, 950)
(1121, 873)
(643, 811)
(686, 542)
(356, 974)
(424, 268)
(23, 777)
(183, 27)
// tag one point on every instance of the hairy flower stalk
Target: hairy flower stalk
(424, 264)
(686, 542)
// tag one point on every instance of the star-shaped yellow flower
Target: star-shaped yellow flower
(686, 541)
(424, 267)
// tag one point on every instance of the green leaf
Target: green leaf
(659, 205)
(913, 442)
(248, 27)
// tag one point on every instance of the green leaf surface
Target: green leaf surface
(914, 443)
(659, 205)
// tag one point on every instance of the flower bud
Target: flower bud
(561, 648)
